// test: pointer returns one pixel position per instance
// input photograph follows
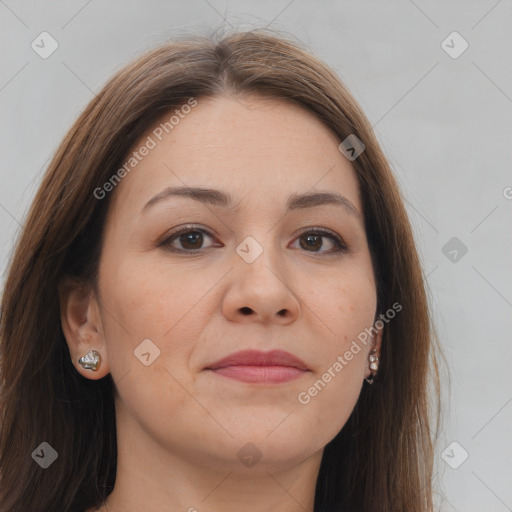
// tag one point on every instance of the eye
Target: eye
(190, 239)
(187, 239)
(314, 241)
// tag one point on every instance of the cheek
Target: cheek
(148, 302)
(345, 306)
(143, 303)
(327, 403)
(151, 299)
(346, 310)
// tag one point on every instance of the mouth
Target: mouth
(254, 366)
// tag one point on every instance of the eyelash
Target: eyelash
(340, 245)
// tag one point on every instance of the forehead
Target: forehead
(266, 148)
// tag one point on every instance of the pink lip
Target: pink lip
(254, 366)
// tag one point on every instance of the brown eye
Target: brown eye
(186, 240)
(191, 240)
(315, 241)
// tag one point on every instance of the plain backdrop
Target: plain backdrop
(442, 115)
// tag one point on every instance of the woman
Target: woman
(216, 302)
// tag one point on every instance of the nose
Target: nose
(260, 292)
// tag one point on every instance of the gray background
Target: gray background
(444, 123)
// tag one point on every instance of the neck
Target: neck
(153, 479)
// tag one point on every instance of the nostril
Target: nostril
(246, 311)
(282, 312)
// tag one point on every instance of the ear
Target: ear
(374, 344)
(81, 325)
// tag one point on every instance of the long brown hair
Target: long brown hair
(382, 460)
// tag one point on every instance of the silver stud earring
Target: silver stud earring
(374, 365)
(90, 361)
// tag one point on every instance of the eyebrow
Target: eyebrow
(225, 200)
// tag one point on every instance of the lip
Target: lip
(254, 366)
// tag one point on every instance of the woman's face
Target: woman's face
(242, 256)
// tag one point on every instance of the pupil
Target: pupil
(313, 241)
(190, 240)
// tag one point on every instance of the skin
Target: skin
(179, 426)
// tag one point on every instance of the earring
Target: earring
(374, 365)
(90, 361)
